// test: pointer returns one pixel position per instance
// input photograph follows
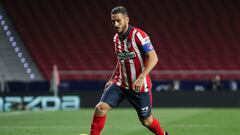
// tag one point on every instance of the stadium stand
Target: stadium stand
(15, 63)
(194, 39)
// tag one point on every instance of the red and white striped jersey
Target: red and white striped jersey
(131, 52)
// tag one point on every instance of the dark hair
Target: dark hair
(119, 9)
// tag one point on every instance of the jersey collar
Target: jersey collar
(122, 37)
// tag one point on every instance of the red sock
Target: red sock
(97, 124)
(155, 127)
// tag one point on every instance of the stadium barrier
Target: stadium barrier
(88, 99)
(95, 85)
(37, 103)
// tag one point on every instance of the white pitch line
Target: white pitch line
(3, 114)
(200, 125)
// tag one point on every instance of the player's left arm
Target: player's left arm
(151, 61)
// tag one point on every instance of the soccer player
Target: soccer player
(130, 80)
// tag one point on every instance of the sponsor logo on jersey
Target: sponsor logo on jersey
(126, 55)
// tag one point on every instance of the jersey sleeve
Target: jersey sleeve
(144, 41)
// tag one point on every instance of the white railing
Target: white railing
(197, 72)
(156, 72)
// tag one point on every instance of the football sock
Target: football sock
(97, 125)
(155, 127)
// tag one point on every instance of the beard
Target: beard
(123, 29)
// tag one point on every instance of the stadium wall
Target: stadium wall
(88, 99)
(85, 94)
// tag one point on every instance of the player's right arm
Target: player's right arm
(112, 77)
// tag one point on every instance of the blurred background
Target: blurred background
(64, 47)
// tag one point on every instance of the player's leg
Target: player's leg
(111, 97)
(153, 125)
(99, 118)
(143, 105)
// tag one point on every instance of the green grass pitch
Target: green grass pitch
(178, 121)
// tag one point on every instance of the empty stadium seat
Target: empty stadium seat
(77, 35)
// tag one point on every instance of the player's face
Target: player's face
(120, 22)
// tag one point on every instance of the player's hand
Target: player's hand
(107, 85)
(138, 84)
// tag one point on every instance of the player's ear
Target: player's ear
(127, 19)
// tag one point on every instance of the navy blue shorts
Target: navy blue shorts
(114, 95)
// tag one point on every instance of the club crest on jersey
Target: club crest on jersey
(126, 55)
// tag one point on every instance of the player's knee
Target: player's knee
(147, 122)
(102, 107)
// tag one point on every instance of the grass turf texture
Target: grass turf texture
(178, 121)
